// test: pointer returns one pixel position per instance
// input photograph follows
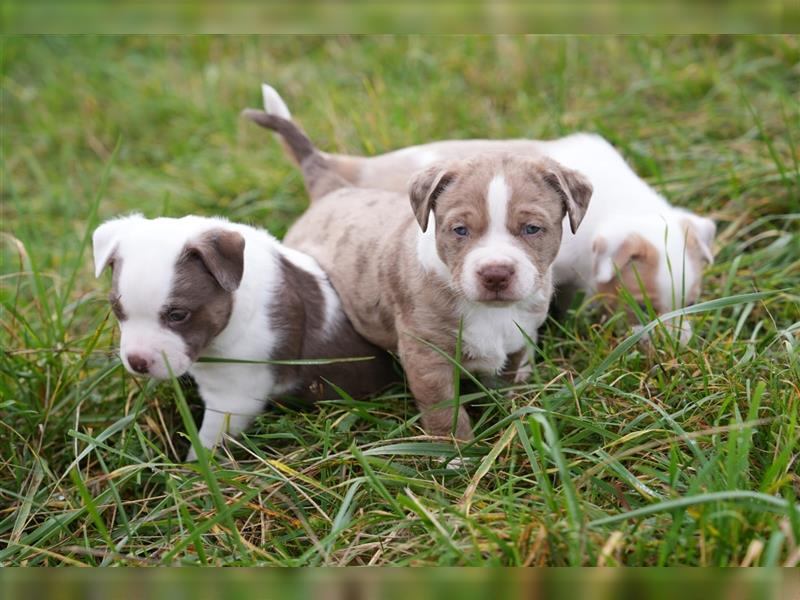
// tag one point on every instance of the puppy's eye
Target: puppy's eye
(461, 231)
(643, 306)
(531, 229)
(177, 315)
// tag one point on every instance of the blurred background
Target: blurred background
(90, 469)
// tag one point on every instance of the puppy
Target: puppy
(631, 237)
(474, 254)
(192, 287)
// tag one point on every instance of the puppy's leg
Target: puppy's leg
(216, 423)
(430, 378)
(231, 404)
(519, 366)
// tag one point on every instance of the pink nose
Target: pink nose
(139, 363)
(496, 278)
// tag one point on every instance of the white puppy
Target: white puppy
(631, 237)
(192, 287)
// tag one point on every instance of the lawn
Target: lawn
(610, 455)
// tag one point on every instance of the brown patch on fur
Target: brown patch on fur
(635, 255)
(299, 315)
(392, 300)
(320, 178)
(534, 200)
(196, 290)
(573, 188)
(222, 252)
(426, 187)
(115, 263)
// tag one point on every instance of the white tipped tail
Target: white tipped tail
(273, 103)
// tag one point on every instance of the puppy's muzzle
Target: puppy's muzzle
(139, 363)
(496, 277)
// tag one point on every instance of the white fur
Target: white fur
(273, 103)
(622, 204)
(427, 255)
(492, 332)
(425, 157)
(499, 247)
(148, 249)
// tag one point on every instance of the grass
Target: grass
(609, 455)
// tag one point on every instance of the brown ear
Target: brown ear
(425, 187)
(609, 258)
(700, 232)
(222, 252)
(574, 189)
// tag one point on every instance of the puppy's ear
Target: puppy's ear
(702, 230)
(573, 187)
(425, 187)
(611, 256)
(222, 252)
(105, 240)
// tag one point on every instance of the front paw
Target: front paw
(523, 373)
(440, 422)
(191, 455)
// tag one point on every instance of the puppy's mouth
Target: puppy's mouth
(498, 299)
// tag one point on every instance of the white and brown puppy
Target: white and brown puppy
(473, 251)
(630, 234)
(191, 287)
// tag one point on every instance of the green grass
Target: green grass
(610, 455)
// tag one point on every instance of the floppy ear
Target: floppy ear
(105, 240)
(704, 230)
(610, 257)
(573, 187)
(425, 187)
(222, 252)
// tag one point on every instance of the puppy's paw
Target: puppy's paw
(459, 463)
(523, 373)
(191, 455)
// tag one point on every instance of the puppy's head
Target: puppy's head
(172, 287)
(491, 224)
(659, 257)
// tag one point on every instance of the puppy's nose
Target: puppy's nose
(496, 278)
(138, 363)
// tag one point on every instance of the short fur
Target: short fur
(408, 283)
(192, 287)
(623, 206)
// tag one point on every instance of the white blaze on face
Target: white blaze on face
(498, 248)
(145, 281)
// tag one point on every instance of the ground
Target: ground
(608, 455)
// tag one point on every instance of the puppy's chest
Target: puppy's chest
(489, 335)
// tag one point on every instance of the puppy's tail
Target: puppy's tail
(319, 174)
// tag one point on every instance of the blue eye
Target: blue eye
(177, 315)
(531, 229)
(461, 231)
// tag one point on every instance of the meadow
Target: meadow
(609, 455)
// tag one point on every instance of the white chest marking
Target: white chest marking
(490, 334)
